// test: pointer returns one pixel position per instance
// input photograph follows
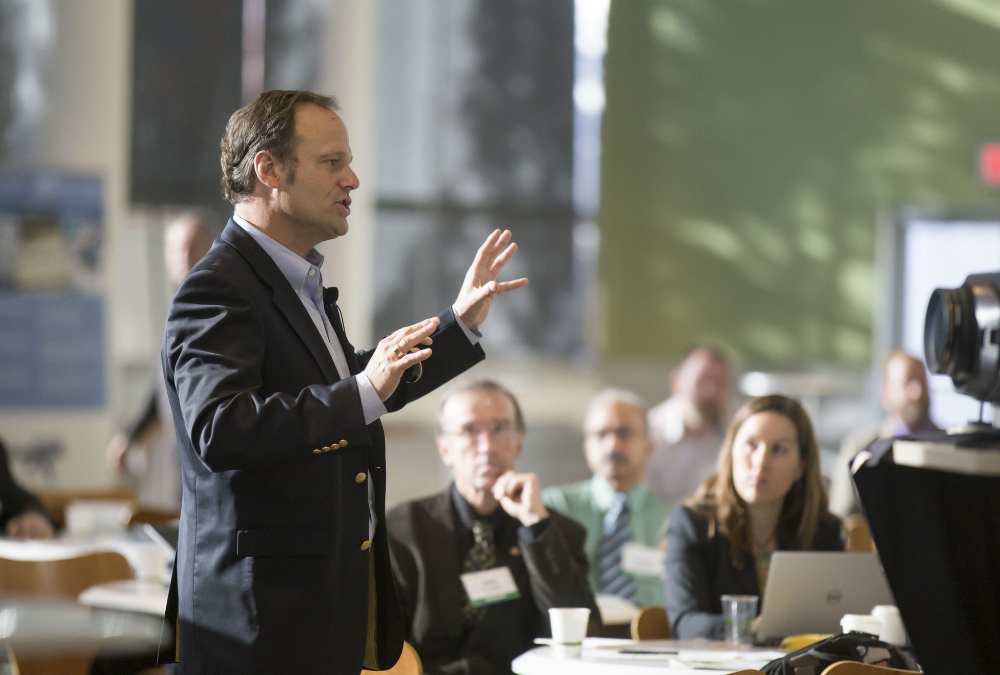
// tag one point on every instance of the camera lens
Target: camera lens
(962, 336)
(939, 329)
(950, 334)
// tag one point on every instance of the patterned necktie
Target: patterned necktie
(482, 556)
(616, 534)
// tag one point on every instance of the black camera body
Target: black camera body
(962, 336)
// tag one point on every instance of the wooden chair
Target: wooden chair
(154, 517)
(651, 624)
(65, 579)
(857, 536)
(855, 668)
(409, 663)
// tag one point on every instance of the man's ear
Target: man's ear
(443, 452)
(268, 171)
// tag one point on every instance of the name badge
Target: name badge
(490, 586)
(643, 561)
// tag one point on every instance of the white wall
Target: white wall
(85, 129)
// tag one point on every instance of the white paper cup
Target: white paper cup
(893, 630)
(569, 627)
(149, 563)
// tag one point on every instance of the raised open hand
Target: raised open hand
(481, 285)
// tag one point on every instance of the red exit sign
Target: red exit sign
(989, 164)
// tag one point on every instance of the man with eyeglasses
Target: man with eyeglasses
(624, 520)
(478, 566)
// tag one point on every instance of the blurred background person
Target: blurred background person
(489, 518)
(906, 400)
(615, 506)
(767, 495)
(22, 516)
(145, 451)
(688, 428)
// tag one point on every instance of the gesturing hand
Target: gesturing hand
(386, 367)
(520, 495)
(30, 525)
(481, 285)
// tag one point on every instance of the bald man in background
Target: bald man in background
(615, 505)
(907, 403)
(145, 451)
(688, 428)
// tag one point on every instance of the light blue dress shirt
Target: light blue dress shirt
(306, 279)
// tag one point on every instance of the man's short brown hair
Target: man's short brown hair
(267, 124)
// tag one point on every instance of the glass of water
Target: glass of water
(738, 614)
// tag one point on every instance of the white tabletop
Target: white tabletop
(52, 627)
(131, 596)
(603, 656)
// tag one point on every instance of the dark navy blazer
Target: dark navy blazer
(272, 560)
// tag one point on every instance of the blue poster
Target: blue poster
(51, 291)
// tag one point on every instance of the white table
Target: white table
(601, 656)
(130, 596)
(52, 627)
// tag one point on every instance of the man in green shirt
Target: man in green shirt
(624, 521)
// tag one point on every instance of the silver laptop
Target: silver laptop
(809, 592)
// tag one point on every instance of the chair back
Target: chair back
(154, 517)
(651, 624)
(64, 578)
(855, 668)
(857, 536)
(409, 663)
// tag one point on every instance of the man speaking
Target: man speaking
(283, 562)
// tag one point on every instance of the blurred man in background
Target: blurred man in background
(624, 521)
(490, 520)
(688, 428)
(907, 403)
(145, 451)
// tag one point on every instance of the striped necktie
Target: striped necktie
(617, 533)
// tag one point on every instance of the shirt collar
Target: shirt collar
(294, 268)
(467, 514)
(604, 495)
(899, 428)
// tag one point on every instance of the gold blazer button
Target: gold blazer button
(343, 444)
(317, 451)
(365, 546)
(360, 478)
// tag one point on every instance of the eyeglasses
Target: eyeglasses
(620, 433)
(495, 431)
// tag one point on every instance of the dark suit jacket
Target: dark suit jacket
(700, 570)
(272, 566)
(550, 571)
(14, 500)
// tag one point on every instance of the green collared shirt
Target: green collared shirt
(586, 502)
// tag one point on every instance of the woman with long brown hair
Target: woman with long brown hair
(766, 495)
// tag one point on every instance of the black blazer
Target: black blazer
(700, 570)
(272, 566)
(550, 571)
(14, 500)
